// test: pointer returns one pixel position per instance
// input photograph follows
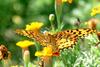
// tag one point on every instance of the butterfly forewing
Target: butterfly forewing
(43, 39)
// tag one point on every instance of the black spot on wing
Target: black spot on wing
(77, 29)
(79, 32)
(67, 30)
(71, 31)
(74, 32)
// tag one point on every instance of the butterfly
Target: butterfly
(61, 40)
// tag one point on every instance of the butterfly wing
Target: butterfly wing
(65, 39)
(82, 32)
(68, 38)
(43, 39)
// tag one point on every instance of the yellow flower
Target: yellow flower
(24, 44)
(34, 26)
(95, 10)
(69, 1)
(47, 51)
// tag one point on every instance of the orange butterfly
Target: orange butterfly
(61, 40)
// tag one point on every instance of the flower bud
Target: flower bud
(92, 23)
(26, 57)
(51, 17)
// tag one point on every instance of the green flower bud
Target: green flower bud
(51, 17)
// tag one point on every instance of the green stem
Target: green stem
(25, 64)
(58, 12)
(58, 22)
(37, 46)
(93, 3)
(52, 26)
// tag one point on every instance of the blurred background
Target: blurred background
(16, 14)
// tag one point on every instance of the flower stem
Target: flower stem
(26, 57)
(58, 11)
(47, 61)
(52, 26)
